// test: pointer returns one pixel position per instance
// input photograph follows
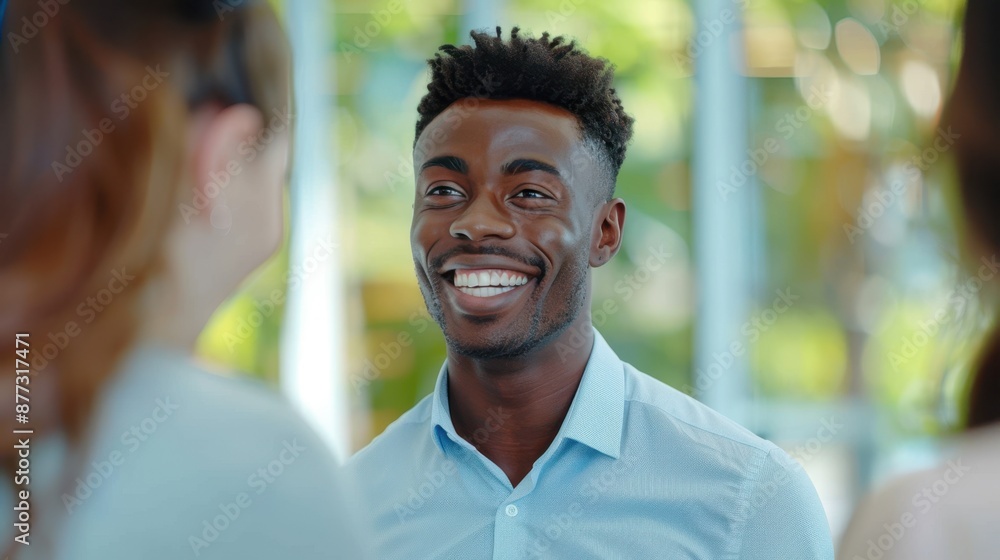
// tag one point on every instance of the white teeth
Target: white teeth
(485, 292)
(493, 278)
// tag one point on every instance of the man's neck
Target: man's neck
(511, 409)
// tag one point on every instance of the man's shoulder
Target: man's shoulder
(399, 436)
(773, 504)
(687, 420)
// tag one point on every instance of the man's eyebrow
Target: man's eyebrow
(448, 162)
(526, 164)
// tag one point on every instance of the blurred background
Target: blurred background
(790, 255)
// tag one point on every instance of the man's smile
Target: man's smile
(486, 284)
(486, 300)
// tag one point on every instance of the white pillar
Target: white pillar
(722, 226)
(313, 357)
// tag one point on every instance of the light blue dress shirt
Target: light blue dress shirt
(637, 470)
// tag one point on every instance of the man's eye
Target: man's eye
(529, 193)
(444, 191)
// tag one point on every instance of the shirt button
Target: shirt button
(511, 510)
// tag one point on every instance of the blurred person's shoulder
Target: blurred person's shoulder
(157, 388)
(185, 461)
(945, 511)
(407, 436)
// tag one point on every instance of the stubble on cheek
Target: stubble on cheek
(431, 298)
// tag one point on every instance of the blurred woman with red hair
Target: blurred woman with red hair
(953, 511)
(144, 152)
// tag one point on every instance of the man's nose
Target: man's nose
(484, 217)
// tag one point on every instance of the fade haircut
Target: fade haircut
(545, 70)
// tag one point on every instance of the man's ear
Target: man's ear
(217, 158)
(610, 217)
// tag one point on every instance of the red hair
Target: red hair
(93, 119)
(974, 112)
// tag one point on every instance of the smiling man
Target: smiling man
(534, 445)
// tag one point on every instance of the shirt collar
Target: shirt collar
(595, 418)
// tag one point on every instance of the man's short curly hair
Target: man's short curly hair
(545, 70)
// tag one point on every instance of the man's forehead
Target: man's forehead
(500, 127)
